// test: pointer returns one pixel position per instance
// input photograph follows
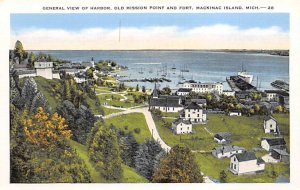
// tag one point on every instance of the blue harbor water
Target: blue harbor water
(204, 66)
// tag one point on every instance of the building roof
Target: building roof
(222, 135)
(198, 101)
(184, 90)
(165, 102)
(155, 93)
(193, 105)
(260, 161)
(180, 120)
(275, 141)
(229, 148)
(280, 92)
(245, 156)
(235, 111)
(281, 152)
(266, 118)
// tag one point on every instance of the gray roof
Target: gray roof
(260, 161)
(165, 101)
(228, 148)
(198, 101)
(184, 90)
(222, 135)
(275, 141)
(193, 105)
(266, 118)
(245, 156)
(180, 120)
(281, 152)
(280, 92)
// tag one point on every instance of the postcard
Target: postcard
(150, 95)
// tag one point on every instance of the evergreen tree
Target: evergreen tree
(145, 158)
(104, 152)
(137, 88)
(39, 100)
(179, 166)
(128, 148)
(223, 176)
(29, 91)
(143, 89)
(31, 60)
(19, 51)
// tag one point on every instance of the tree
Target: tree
(19, 51)
(137, 88)
(165, 91)
(223, 176)
(279, 109)
(29, 91)
(145, 157)
(89, 73)
(80, 120)
(143, 89)
(39, 100)
(128, 148)
(104, 152)
(31, 60)
(179, 166)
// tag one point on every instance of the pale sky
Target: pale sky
(150, 31)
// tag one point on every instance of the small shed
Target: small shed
(280, 155)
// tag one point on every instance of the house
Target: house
(44, 69)
(194, 113)
(280, 96)
(246, 163)
(222, 137)
(242, 95)
(165, 103)
(271, 95)
(280, 155)
(235, 113)
(226, 151)
(181, 126)
(183, 91)
(271, 143)
(270, 125)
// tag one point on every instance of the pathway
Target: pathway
(150, 123)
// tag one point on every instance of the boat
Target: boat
(245, 76)
(141, 72)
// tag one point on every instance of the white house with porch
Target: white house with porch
(246, 163)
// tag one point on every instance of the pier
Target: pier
(238, 84)
(147, 80)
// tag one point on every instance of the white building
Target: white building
(194, 113)
(229, 93)
(204, 87)
(272, 95)
(235, 113)
(79, 80)
(180, 126)
(270, 125)
(246, 163)
(226, 151)
(44, 69)
(165, 103)
(272, 143)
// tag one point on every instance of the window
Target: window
(181, 129)
(234, 166)
(173, 108)
(197, 115)
(234, 159)
(188, 128)
(188, 115)
(231, 165)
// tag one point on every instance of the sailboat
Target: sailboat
(185, 69)
(141, 72)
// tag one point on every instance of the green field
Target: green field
(129, 175)
(132, 121)
(212, 166)
(108, 111)
(246, 131)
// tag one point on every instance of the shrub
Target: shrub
(137, 130)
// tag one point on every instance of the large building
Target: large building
(194, 113)
(208, 87)
(165, 103)
(181, 126)
(44, 69)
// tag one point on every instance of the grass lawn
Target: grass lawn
(108, 111)
(283, 121)
(199, 140)
(170, 114)
(132, 121)
(100, 89)
(129, 175)
(45, 87)
(109, 96)
(212, 166)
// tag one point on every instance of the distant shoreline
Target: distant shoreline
(277, 52)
